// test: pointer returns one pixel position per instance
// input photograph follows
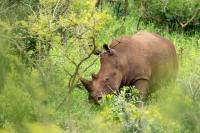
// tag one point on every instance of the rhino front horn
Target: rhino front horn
(85, 82)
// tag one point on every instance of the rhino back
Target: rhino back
(147, 56)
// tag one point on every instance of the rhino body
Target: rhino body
(144, 60)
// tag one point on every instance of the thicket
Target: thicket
(46, 45)
(172, 14)
(177, 14)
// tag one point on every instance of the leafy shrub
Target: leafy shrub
(16, 103)
(5, 67)
(134, 119)
(170, 12)
(17, 9)
(191, 87)
(49, 29)
(33, 95)
(16, 106)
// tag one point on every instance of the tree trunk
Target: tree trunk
(125, 7)
(98, 3)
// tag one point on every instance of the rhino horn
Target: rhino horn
(85, 82)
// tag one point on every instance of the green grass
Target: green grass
(29, 97)
(174, 109)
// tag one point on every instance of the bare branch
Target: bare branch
(76, 73)
(54, 11)
(183, 25)
(30, 7)
(98, 3)
(89, 65)
(68, 72)
(73, 62)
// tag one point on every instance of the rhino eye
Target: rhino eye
(107, 79)
(114, 73)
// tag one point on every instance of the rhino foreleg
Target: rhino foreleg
(142, 85)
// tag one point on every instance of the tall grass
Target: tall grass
(29, 97)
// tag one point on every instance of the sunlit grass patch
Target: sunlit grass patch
(44, 128)
(30, 95)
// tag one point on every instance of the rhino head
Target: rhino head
(108, 79)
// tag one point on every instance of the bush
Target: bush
(170, 12)
(16, 103)
(123, 110)
(16, 106)
(36, 97)
(191, 86)
(17, 9)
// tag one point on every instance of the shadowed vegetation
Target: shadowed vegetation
(47, 45)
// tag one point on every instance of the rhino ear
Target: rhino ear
(94, 76)
(108, 49)
(86, 83)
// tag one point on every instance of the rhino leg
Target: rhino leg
(142, 85)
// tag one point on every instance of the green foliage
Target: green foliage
(4, 65)
(170, 12)
(45, 29)
(55, 36)
(13, 10)
(16, 106)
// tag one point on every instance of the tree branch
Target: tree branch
(89, 65)
(76, 73)
(183, 25)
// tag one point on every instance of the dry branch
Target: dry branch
(89, 65)
(183, 25)
(98, 3)
(73, 77)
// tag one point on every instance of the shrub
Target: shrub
(134, 119)
(17, 9)
(16, 106)
(170, 12)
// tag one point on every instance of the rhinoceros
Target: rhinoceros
(144, 60)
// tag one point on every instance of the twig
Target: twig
(8, 8)
(89, 65)
(183, 25)
(73, 62)
(138, 23)
(191, 89)
(54, 11)
(197, 91)
(67, 72)
(30, 8)
(73, 77)
(83, 60)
